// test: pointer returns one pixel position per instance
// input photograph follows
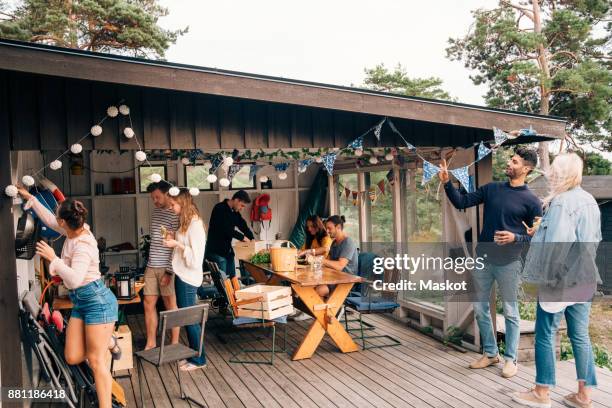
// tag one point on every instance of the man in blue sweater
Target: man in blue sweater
(507, 205)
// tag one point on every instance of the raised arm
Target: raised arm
(46, 216)
(458, 200)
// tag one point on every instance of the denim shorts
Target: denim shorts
(94, 303)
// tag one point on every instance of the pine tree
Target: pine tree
(128, 27)
(550, 57)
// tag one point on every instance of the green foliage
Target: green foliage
(427, 329)
(596, 165)
(380, 78)
(127, 27)
(262, 257)
(500, 158)
(559, 68)
(453, 335)
(603, 357)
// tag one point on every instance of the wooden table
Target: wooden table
(303, 282)
(64, 303)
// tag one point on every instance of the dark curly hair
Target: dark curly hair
(73, 212)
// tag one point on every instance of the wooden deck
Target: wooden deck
(421, 372)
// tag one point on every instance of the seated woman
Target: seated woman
(342, 253)
(318, 241)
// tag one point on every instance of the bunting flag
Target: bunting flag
(347, 192)
(253, 169)
(528, 132)
(357, 144)
(482, 151)
(409, 145)
(463, 176)
(355, 197)
(372, 194)
(390, 177)
(429, 171)
(499, 135)
(281, 167)
(328, 161)
(216, 162)
(303, 165)
(378, 128)
(381, 186)
(234, 168)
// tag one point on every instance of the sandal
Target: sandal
(115, 349)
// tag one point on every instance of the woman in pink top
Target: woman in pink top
(89, 334)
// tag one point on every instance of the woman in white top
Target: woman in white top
(187, 260)
(89, 334)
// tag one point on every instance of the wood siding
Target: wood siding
(51, 113)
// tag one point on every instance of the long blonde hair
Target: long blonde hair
(189, 210)
(565, 173)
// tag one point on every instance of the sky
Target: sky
(325, 41)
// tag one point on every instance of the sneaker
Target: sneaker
(190, 367)
(182, 363)
(485, 361)
(301, 316)
(510, 369)
(531, 399)
(571, 400)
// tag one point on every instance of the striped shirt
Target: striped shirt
(159, 255)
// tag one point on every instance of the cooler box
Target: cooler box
(276, 301)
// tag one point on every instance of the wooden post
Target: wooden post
(10, 352)
(333, 198)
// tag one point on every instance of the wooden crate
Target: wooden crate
(276, 301)
(245, 250)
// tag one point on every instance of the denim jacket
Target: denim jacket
(563, 250)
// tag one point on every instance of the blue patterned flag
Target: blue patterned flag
(253, 169)
(528, 132)
(234, 168)
(378, 128)
(216, 162)
(500, 136)
(429, 171)
(303, 164)
(483, 151)
(463, 176)
(357, 144)
(328, 161)
(409, 145)
(281, 167)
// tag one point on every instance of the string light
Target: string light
(211, 178)
(156, 178)
(263, 179)
(28, 181)
(224, 182)
(128, 132)
(11, 191)
(76, 148)
(96, 130)
(112, 111)
(174, 191)
(140, 156)
(194, 191)
(124, 110)
(282, 175)
(55, 165)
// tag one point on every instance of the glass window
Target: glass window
(146, 171)
(242, 179)
(349, 206)
(195, 176)
(422, 208)
(379, 207)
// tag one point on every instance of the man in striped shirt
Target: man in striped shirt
(159, 279)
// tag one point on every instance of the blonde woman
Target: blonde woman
(561, 261)
(89, 334)
(187, 259)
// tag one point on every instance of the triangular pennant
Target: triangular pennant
(528, 132)
(378, 129)
(234, 168)
(372, 194)
(354, 193)
(347, 192)
(281, 166)
(216, 162)
(463, 176)
(381, 186)
(303, 165)
(499, 135)
(253, 169)
(429, 171)
(328, 161)
(482, 151)
(357, 144)
(390, 177)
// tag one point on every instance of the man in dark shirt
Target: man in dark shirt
(507, 205)
(225, 224)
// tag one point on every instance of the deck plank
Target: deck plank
(420, 372)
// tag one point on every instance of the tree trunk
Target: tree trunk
(544, 87)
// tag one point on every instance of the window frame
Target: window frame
(210, 188)
(254, 180)
(164, 176)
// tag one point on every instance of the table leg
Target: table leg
(324, 320)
